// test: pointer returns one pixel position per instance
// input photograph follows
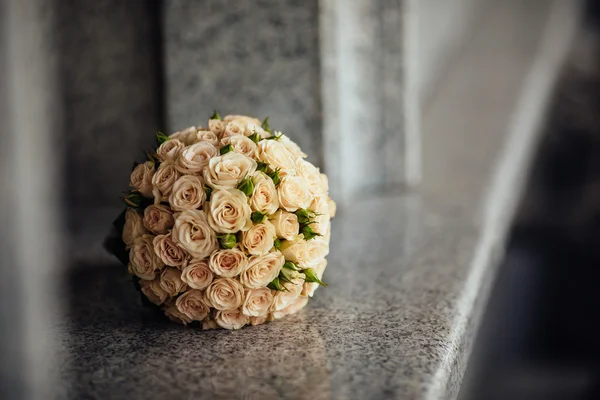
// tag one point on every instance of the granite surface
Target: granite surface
(409, 272)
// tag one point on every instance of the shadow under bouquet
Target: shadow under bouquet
(226, 225)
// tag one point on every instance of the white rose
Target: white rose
(158, 218)
(143, 262)
(264, 197)
(231, 319)
(292, 291)
(187, 194)
(169, 150)
(192, 304)
(207, 136)
(320, 206)
(317, 250)
(141, 178)
(170, 254)
(241, 144)
(194, 234)
(332, 207)
(170, 281)
(186, 136)
(308, 289)
(242, 119)
(290, 145)
(293, 193)
(293, 308)
(311, 176)
(228, 263)
(196, 274)
(133, 228)
(257, 302)
(259, 238)
(173, 313)
(216, 126)
(225, 294)
(195, 157)
(233, 128)
(226, 171)
(286, 224)
(258, 320)
(295, 250)
(163, 180)
(262, 270)
(251, 129)
(277, 156)
(228, 211)
(153, 291)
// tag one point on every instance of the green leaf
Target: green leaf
(308, 232)
(276, 285)
(227, 241)
(257, 217)
(275, 137)
(277, 244)
(135, 199)
(246, 186)
(215, 115)
(208, 191)
(275, 176)
(265, 125)
(305, 216)
(226, 149)
(311, 276)
(255, 137)
(288, 275)
(290, 265)
(263, 167)
(161, 137)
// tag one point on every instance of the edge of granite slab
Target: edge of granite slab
(409, 273)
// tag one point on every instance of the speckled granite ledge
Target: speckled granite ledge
(409, 273)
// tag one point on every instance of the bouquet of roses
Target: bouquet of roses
(226, 225)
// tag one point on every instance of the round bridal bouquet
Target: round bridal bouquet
(226, 225)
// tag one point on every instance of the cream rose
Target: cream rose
(225, 294)
(258, 320)
(163, 180)
(169, 150)
(262, 270)
(170, 254)
(290, 145)
(228, 211)
(173, 313)
(228, 263)
(251, 129)
(170, 281)
(158, 218)
(257, 302)
(141, 178)
(195, 157)
(264, 197)
(233, 128)
(133, 228)
(153, 291)
(231, 319)
(308, 289)
(332, 207)
(194, 234)
(311, 176)
(192, 304)
(293, 308)
(293, 193)
(243, 119)
(143, 262)
(317, 250)
(240, 144)
(226, 171)
(286, 224)
(186, 136)
(277, 156)
(295, 250)
(259, 238)
(320, 206)
(216, 126)
(207, 136)
(292, 291)
(196, 274)
(187, 194)
(209, 324)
